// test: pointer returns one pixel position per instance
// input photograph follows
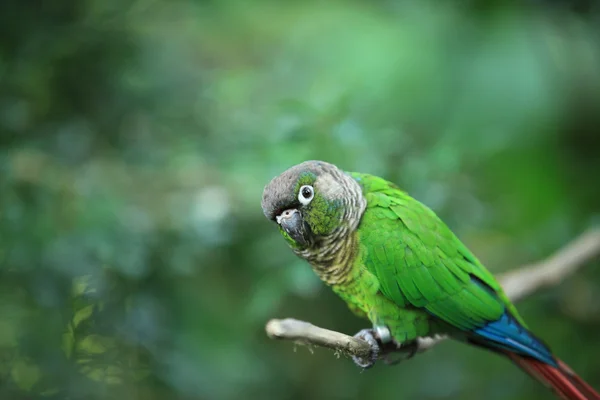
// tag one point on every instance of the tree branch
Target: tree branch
(527, 280)
(517, 285)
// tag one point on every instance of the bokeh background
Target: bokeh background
(136, 137)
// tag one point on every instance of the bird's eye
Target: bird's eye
(306, 194)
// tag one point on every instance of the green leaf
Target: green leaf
(81, 285)
(82, 315)
(50, 392)
(94, 344)
(96, 374)
(25, 374)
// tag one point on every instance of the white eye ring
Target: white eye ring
(306, 194)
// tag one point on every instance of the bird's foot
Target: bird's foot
(392, 355)
(378, 338)
(368, 335)
(384, 347)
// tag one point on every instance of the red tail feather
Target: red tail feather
(562, 380)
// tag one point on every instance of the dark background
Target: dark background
(136, 137)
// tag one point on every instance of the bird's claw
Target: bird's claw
(368, 335)
(383, 347)
(408, 351)
(412, 347)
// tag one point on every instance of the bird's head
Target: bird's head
(312, 201)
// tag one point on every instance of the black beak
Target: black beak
(291, 221)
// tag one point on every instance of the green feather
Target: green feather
(419, 261)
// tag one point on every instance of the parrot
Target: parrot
(397, 264)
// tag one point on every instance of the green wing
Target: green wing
(420, 262)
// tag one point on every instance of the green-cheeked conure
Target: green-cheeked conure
(393, 261)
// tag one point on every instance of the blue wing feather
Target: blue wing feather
(507, 333)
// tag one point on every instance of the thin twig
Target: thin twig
(526, 280)
(517, 284)
(305, 332)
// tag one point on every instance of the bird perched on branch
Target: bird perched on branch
(393, 261)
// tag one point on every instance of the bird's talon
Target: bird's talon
(368, 336)
(408, 351)
(414, 348)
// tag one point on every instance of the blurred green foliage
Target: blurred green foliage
(136, 138)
